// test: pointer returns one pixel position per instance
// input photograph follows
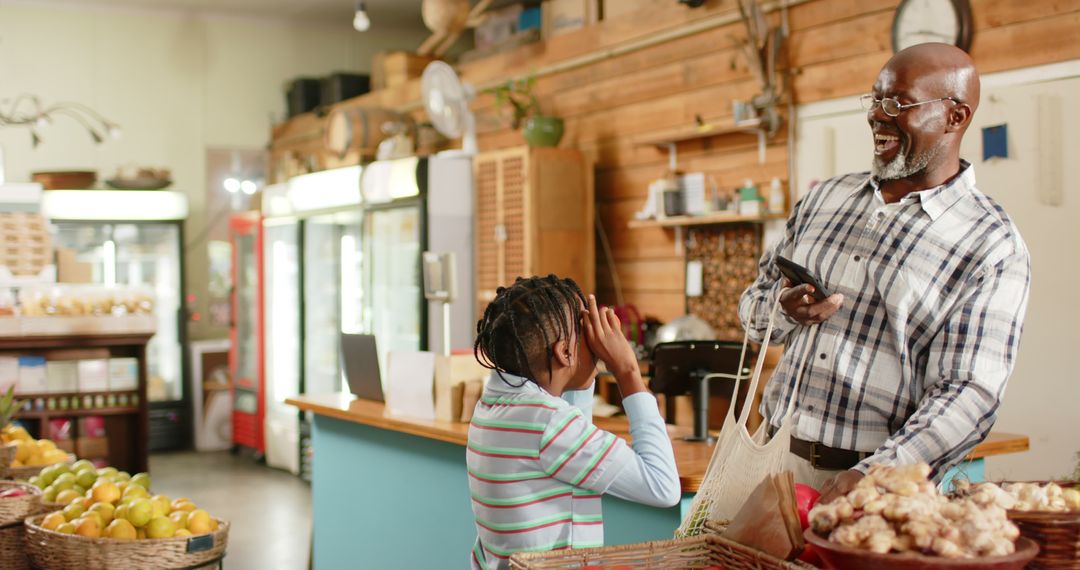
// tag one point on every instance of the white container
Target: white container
(776, 197)
(94, 375)
(750, 208)
(62, 376)
(32, 378)
(123, 374)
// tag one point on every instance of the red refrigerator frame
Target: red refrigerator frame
(248, 428)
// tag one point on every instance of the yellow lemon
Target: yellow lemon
(198, 522)
(66, 528)
(181, 532)
(95, 516)
(139, 512)
(140, 533)
(73, 511)
(180, 518)
(22, 451)
(67, 496)
(183, 505)
(53, 520)
(120, 512)
(161, 505)
(136, 492)
(106, 492)
(160, 527)
(89, 527)
(142, 480)
(121, 529)
(106, 510)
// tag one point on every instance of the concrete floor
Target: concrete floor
(269, 510)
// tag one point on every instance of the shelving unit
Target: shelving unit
(704, 220)
(668, 139)
(126, 427)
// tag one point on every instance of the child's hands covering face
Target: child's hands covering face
(603, 332)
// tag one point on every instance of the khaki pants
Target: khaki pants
(806, 474)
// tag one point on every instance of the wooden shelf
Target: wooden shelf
(81, 412)
(703, 220)
(695, 132)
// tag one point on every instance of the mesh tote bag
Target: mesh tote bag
(740, 461)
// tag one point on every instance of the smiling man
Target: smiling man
(929, 280)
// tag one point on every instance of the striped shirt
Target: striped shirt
(913, 365)
(538, 467)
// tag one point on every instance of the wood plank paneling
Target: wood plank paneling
(836, 49)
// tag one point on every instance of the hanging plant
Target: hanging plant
(519, 95)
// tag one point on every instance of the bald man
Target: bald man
(907, 360)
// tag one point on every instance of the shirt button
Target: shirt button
(858, 258)
(880, 215)
(823, 356)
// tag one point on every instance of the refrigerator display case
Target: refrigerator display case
(135, 237)
(312, 242)
(246, 332)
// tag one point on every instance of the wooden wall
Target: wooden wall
(836, 49)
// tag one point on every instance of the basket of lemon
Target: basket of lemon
(117, 523)
(29, 455)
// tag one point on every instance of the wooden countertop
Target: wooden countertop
(692, 459)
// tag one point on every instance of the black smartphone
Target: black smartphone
(800, 275)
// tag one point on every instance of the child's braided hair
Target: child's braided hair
(520, 327)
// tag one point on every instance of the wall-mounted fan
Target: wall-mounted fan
(446, 98)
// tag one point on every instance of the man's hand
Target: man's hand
(840, 485)
(799, 304)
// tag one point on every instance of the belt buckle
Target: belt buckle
(814, 455)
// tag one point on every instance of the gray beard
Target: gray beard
(900, 167)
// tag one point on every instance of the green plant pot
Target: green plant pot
(543, 131)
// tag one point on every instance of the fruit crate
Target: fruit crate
(59, 551)
(25, 246)
(7, 454)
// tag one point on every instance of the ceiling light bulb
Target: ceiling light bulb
(115, 132)
(248, 187)
(360, 19)
(41, 122)
(232, 185)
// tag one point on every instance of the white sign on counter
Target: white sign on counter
(410, 384)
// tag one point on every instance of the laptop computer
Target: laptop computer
(360, 360)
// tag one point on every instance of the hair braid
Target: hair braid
(521, 325)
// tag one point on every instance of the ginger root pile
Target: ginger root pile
(1032, 497)
(897, 509)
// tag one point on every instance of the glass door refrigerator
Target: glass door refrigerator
(313, 292)
(246, 351)
(412, 205)
(135, 237)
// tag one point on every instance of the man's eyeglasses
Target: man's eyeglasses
(892, 107)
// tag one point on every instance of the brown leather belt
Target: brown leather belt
(824, 457)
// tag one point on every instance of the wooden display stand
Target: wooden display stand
(126, 427)
(534, 212)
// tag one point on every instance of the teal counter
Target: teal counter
(393, 492)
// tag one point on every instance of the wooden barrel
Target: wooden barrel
(361, 129)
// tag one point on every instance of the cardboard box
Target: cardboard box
(93, 447)
(32, 379)
(562, 16)
(62, 375)
(71, 270)
(451, 374)
(93, 375)
(393, 68)
(123, 374)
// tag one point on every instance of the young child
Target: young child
(537, 465)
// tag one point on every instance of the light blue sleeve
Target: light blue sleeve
(582, 400)
(651, 477)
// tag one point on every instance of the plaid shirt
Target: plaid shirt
(913, 365)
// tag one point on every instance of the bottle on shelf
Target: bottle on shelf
(776, 197)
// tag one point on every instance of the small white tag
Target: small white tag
(694, 283)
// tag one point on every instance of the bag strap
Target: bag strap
(755, 380)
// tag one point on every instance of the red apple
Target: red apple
(12, 493)
(805, 499)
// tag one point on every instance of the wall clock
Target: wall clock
(922, 21)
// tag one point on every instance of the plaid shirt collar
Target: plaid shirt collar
(934, 201)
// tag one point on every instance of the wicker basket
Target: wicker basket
(12, 548)
(697, 552)
(1057, 534)
(24, 473)
(57, 551)
(7, 455)
(15, 509)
